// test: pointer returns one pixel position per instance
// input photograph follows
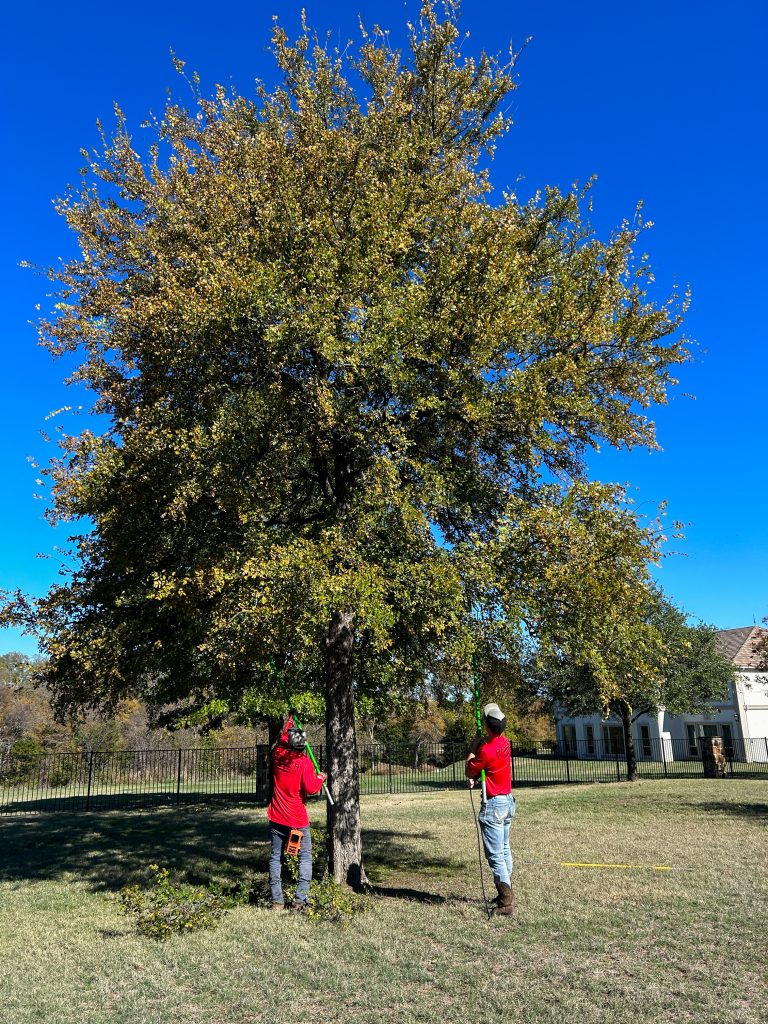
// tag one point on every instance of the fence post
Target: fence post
(453, 762)
(618, 773)
(90, 777)
(389, 767)
(664, 755)
(178, 779)
(567, 765)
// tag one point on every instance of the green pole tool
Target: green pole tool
(479, 718)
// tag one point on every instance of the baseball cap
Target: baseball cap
(493, 711)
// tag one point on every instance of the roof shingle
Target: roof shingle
(742, 646)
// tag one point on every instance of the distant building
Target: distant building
(741, 718)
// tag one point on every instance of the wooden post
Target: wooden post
(712, 757)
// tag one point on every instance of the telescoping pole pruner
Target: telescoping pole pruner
(479, 718)
(278, 676)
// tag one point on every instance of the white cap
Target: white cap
(493, 711)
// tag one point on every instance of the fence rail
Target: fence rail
(101, 780)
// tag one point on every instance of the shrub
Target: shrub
(63, 769)
(24, 757)
(167, 907)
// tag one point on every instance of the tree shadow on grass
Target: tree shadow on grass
(110, 850)
(385, 850)
(405, 893)
(393, 861)
(70, 803)
(758, 811)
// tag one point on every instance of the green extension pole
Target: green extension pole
(279, 677)
(479, 718)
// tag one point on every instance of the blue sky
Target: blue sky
(664, 102)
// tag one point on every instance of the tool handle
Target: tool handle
(313, 759)
(328, 796)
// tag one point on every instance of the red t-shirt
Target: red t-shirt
(293, 780)
(494, 756)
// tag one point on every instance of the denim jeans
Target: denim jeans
(495, 818)
(279, 835)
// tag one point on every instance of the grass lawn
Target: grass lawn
(587, 945)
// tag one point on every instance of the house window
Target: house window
(569, 739)
(613, 740)
(645, 740)
(590, 734)
(693, 743)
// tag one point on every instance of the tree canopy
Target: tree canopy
(349, 390)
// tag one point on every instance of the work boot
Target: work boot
(277, 906)
(505, 901)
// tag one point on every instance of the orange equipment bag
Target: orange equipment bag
(294, 842)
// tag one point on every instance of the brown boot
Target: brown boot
(505, 902)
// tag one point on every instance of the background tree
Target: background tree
(26, 717)
(427, 726)
(17, 670)
(644, 658)
(342, 382)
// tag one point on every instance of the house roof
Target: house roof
(742, 646)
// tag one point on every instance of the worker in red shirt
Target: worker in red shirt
(293, 780)
(492, 754)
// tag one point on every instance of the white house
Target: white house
(741, 719)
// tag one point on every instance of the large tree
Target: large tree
(341, 380)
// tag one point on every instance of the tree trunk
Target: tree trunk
(345, 844)
(625, 712)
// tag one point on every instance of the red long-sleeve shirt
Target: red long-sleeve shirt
(293, 780)
(495, 757)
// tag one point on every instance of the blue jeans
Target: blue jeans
(279, 835)
(495, 818)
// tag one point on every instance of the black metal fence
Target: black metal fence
(98, 780)
(105, 780)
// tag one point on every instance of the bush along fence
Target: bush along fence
(101, 780)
